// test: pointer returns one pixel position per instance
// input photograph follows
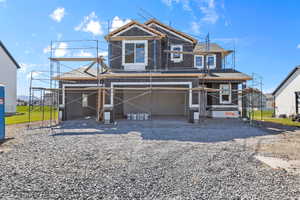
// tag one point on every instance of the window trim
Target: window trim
(215, 61)
(230, 93)
(176, 60)
(145, 42)
(195, 63)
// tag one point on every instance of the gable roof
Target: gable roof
(213, 48)
(159, 34)
(154, 21)
(286, 79)
(9, 55)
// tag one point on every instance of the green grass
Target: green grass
(268, 116)
(22, 115)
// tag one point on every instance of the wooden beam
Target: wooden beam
(225, 52)
(77, 59)
(120, 38)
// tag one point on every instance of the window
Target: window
(176, 57)
(225, 93)
(198, 61)
(134, 52)
(84, 100)
(211, 61)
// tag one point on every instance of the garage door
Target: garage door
(161, 103)
(80, 105)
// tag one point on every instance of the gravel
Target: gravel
(141, 160)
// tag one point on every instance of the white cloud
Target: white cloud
(169, 3)
(103, 53)
(34, 74)
(209, 10)
(61, 50)
(28, 66)
(117, 22)
(83, 53)
(47, 50)
(90, 24)
(58, 14)
(298, 46)
(195, 27)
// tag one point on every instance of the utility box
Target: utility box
(2, 113)
(107, 118)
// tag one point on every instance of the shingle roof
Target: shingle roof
(213, 47)
(9, 55)
(287, 78)
(79, 73)
(155, 21)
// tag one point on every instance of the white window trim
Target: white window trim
(176, 60)
(195, 63)
(220, 94)
(215, 63)
(146, 52)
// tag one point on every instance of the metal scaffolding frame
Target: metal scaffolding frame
(56, 69)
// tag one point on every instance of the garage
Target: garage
(80, 104)
(158, 103)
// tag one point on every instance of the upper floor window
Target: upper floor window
(176, 57)
(198, 61)
(134, 52)
(211, 61)
(225, 93)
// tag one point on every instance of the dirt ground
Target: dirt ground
(285, 142)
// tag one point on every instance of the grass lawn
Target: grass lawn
(23, 114)
(267, 116)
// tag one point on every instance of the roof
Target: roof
(79, 73)
(286, 79)
(91, 74)
(9, 55)
(213, 47)
(159, 34)
(154, 21)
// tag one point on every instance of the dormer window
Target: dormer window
(199, 61)
(176, 57)
(211, 61)
(134, 54)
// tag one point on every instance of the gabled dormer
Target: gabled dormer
(133, 47)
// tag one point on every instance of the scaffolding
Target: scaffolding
(50, 98)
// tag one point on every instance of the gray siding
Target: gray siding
(135, 32)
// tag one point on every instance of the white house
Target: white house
(285, 94)
(8, 77)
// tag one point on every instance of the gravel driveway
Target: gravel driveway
(141, 160)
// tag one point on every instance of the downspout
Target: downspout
(154, 55)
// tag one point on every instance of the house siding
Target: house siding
(8, 77)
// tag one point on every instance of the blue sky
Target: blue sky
(265, 33)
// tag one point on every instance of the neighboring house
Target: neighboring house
(49, 99)
(285, 94)
(8, 77)
(270, 103)
(21, 102)
(154, 55)
(255, 99)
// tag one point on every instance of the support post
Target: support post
(244, 101)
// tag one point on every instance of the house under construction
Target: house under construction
(152, 71)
